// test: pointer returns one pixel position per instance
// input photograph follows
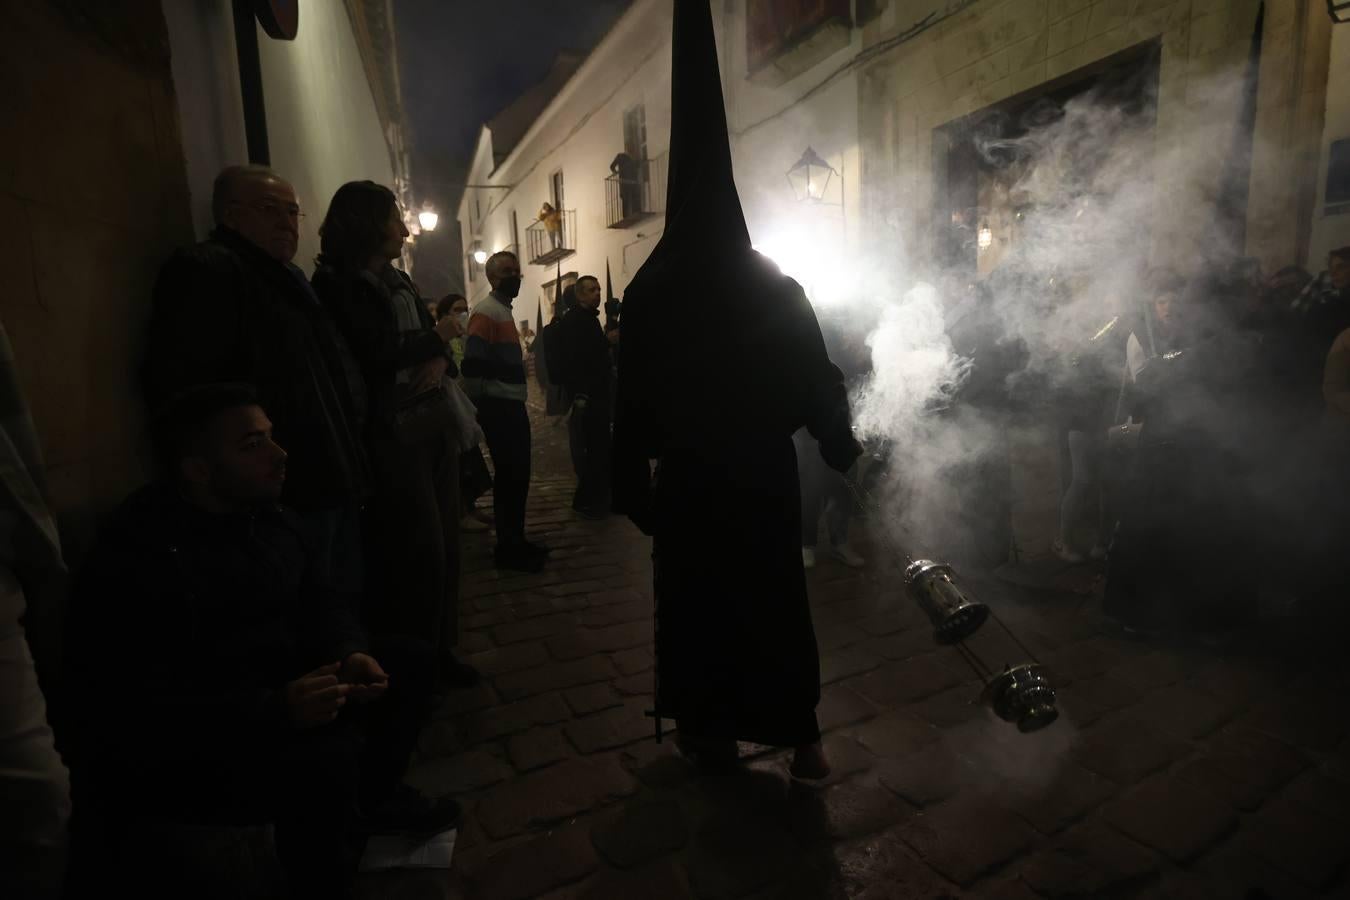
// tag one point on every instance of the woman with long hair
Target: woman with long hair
(413, 519)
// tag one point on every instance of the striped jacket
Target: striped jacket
(494, 365)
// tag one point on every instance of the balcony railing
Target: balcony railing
(546, 244)
(630, 200)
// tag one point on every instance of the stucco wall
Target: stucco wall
(1330, 232)
(321, 117)
(580, 135)
(92, 199)
(973, 55)
(322, 125)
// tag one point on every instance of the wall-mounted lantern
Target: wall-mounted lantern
(810, 176)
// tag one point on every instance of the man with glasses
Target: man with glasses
(234, 308)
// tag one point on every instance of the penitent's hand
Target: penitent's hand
(368, 681)
(316, 698)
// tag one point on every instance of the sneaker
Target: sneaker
(845, 555)
(411, 813)
(471, 524)
(808, 557)
(518, 559)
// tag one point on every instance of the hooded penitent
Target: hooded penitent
(720, 361)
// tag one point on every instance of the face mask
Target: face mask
(509, 287)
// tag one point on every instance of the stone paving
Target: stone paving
(1174, 771)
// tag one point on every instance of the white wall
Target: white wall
(771, 127)
(1330, 232)
(582, 130)
(322, 124)
(580, 133)
(321, 117)
(210, 107)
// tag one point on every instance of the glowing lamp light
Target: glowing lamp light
(479, 253)
(428, 219)
(810, 176)
(985, 238)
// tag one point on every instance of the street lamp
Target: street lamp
(810, 176)
(428, 218)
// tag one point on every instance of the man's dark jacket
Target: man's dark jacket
(225, 311)
(186, 626)
(586, 352)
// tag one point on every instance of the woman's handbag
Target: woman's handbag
(423, 416)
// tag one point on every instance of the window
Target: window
(635, 132)
(556, 187)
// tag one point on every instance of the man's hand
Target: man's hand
(364, 676)
(317, 698)
(429, 374)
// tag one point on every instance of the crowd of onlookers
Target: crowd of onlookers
(1203, 431)
(259, 634)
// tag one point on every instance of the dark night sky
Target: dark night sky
(464, 60)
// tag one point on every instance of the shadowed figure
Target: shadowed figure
(716, 409)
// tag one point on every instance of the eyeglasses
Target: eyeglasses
(276, 211)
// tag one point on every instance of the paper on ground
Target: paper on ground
(385, 851)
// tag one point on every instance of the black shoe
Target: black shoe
(458, 675)
(411, 813)
(537, 547)
(518, 559)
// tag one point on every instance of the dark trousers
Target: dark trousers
(312, 785)
(413, 540)
(506, 426)
(823, 490)
(589, 438)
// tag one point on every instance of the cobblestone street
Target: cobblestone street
(1172, 772)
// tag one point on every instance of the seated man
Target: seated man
(216, 681)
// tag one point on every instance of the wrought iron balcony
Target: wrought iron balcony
(548, 242)
(630, 200)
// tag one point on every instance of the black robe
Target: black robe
(736, 652)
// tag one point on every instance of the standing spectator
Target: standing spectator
(586, 350)
(245, 689)
(1320, 313)
(1336, 384)
(1323, 307)
(235, 309)
(414, 515)
(552, 219)
(825, 491)
(474, 478)
(494, 377)
(34, 785)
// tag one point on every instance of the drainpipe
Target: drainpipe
(250, 83)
